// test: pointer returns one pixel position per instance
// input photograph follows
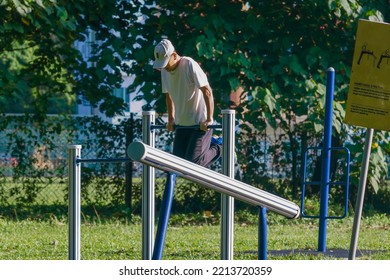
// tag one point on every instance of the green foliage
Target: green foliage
(276, 51)
(41, 65)
(378, 168)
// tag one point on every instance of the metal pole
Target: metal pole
(204, 176)
(262, 242)
(129, 166)
(361, 192)
(148, 183)
(227, 202)
(326, 155)
(74, 201)
(165, 212)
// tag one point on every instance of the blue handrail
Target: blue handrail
(163, 126)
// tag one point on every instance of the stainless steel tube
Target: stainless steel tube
(145, 154)
(148, 182)
(227, 202)
(74, 202)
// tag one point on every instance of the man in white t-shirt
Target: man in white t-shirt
(190, 102)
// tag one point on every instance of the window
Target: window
(123, 94)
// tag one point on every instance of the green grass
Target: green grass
(37, 232)
(191, 238)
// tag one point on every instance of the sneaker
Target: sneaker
(217, 140)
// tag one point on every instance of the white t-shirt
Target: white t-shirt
(183, 85)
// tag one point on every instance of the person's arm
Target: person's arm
(209, 100)
(171, 112)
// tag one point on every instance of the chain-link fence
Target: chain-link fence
(33, 159)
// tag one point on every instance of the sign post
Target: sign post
(368, 103)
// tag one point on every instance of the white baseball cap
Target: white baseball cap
(162, 53)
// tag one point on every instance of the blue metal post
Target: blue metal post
(262, 235)
(326, 156)
(165, 213)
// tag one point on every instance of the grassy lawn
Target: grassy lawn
(41, 233)
(118, 239)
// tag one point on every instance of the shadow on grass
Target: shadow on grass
(337, 254)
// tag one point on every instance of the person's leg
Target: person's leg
(199, 149)
(180, 142)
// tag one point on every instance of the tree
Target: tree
(275, 52)
(38, 59)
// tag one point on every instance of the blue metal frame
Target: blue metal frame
(325, 171)
(96, 160)
(262, 234)
(163, 126)
(325, 174)
(344, 183)
(165, 213)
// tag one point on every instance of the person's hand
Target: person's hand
(171, 125)
(204, 125)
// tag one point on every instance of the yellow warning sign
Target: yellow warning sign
(368, 102)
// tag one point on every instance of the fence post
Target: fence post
(148, 183)
(74, 201)
(129, 165)
(227, 202)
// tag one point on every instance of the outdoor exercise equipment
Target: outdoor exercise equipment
(227, 202)
(143, 153)
(223, 183)
(148, 155)
(325, 182)
(154, 251)
(74, 196)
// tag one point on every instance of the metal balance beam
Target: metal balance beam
(148, 155)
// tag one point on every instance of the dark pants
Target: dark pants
(194, 145)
